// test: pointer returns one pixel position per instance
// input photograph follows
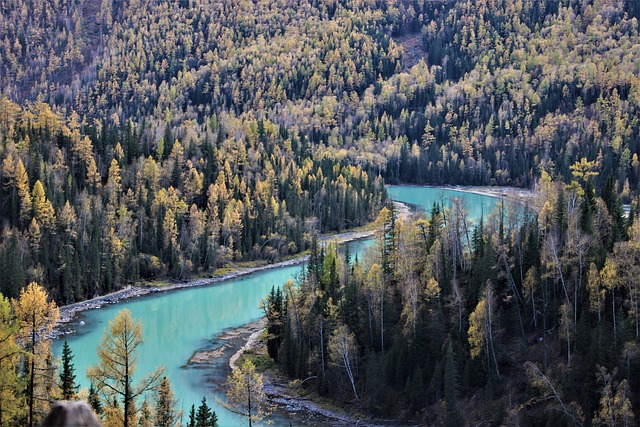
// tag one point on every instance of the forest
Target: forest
(32, 379)
(176, 211)
(528, 318)
(162, 140)
(166, 139)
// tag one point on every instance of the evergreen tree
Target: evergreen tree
(192, 417)
(205, 417)
(452, 415)
(94, 400)
(273, 311)
(145, 419)
(68, 384)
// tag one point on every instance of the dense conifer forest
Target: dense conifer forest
(146, 140)
(164, 139)
(528, 318)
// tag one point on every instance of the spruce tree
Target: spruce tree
(452, 416)
(67, 375)
(94, 400)
(145, 419)
(205, 417)
(192, 417)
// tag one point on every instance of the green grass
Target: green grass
(262, 361)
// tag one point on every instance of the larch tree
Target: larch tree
(22, 185)
(10, 402)
(245, 395)
(118, 356)
(165, 410)
(36, 316)
(42, 209)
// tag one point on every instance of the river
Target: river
(176, 324)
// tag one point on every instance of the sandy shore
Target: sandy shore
(509, 193)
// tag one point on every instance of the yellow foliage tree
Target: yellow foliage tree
(11, 404)
(42, 208)
(113, 376)
(483, 329)
(22, 184)
(245, 395)
(36, 318)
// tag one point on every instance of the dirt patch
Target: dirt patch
(206, 357)
(413, 49)
(226, 345)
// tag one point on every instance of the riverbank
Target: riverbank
(221, 354)
(288, 396)
(509, 193)
(68, 312)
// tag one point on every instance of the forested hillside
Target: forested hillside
(528, 318)
(487, 92)
(164, 139)
(152, 139)
(87, 213)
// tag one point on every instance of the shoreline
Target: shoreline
(276, 389)
(513, 193)
(281, 394)
(68, 312)
(278, 392)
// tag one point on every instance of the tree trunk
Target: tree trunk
(32, 374)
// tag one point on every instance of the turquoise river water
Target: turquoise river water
(176, 324)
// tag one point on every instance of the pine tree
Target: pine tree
(192, 417)
(205, 417)
(67, 375)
